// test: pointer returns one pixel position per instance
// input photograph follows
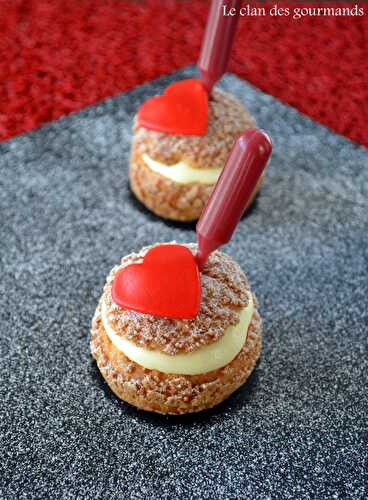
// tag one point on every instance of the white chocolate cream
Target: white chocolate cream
(182, 172)
(205, 359)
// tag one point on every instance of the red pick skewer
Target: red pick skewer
(217, 41)
(232, 192)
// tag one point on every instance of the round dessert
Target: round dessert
(174, 366)
(173, 175)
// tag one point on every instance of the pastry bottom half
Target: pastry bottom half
(169, 199)
(174, 394)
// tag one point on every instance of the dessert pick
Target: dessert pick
(183, 108)
(232, 192)
(217, 42)
(167, 282)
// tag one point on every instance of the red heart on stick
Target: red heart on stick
(166, 284)
(181, 110)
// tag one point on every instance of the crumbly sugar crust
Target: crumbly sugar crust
(164, 197)
(227, 118)
(174, 394)
(169, 199)
(225, 291)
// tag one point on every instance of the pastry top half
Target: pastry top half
(227, 118)
(209, 341)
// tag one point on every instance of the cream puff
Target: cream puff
(173, 174)
(177, 366)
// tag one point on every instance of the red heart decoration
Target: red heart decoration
(181, 110)
(166, 284)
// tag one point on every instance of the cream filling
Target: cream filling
(205, 359)
(182, 172)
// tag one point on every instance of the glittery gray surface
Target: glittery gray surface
(297, 429)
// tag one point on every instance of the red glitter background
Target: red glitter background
(58, 56)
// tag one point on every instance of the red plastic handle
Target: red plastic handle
(217, 41)
(232, 192)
